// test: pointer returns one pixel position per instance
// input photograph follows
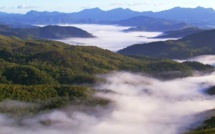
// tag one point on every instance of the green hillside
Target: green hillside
(50, 62)
(193, 45)
(47, 32)
(51, 74)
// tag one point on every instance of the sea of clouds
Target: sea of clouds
(111, 37)
(140, 105)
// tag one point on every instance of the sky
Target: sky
(23, 6)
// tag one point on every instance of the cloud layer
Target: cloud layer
(111, 37)
(206, 59)
(140, 105)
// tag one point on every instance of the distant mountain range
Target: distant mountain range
(202, 17)
(143, 23)
(47, 32)
(201, 43)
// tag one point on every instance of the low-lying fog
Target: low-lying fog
(205, 59)
(140, 105)
(111, 37)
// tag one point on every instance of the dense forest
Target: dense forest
(49, 62)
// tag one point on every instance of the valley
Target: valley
(116, 71)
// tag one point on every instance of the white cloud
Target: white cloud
(127, 4)
(141, 105)
(206, 59)
(25, 7)
(111, 37)
(2, 7)
(149, 3)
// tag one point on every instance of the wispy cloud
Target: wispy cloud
(126, 4)
(141, 105)
(25, 7)
(131, 4)
(2, 7)
(149, 3)
(87, 7)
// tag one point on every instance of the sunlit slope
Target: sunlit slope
(50, 62)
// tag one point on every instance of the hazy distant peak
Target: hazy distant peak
(96, 9)
(38, 13)
(121, 10)
(185, 8)
(3, 13)
(199, 7)
(32, 11)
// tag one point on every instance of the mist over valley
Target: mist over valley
(114, 71)
(111, 37)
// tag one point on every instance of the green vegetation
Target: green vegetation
(198, 66)
(50, 62)
(47, 32)
(43, 73)
(45, 97)
(208, 127)
(193, 45)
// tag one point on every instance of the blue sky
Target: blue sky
(23, 6)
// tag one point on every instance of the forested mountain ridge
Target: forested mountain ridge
(46, 32)
(51, 74)
(50, 62)
(192, 45)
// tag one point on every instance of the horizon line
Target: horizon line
(108, 10)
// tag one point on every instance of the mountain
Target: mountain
(49, 74)
(192, 45)
(143, 23)
(92, 16)
(47, 32)
(118, 16)
(199, 16)
(49, 62)
(180, 33)
(100, 15)
(203, 17)
(172, 19)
